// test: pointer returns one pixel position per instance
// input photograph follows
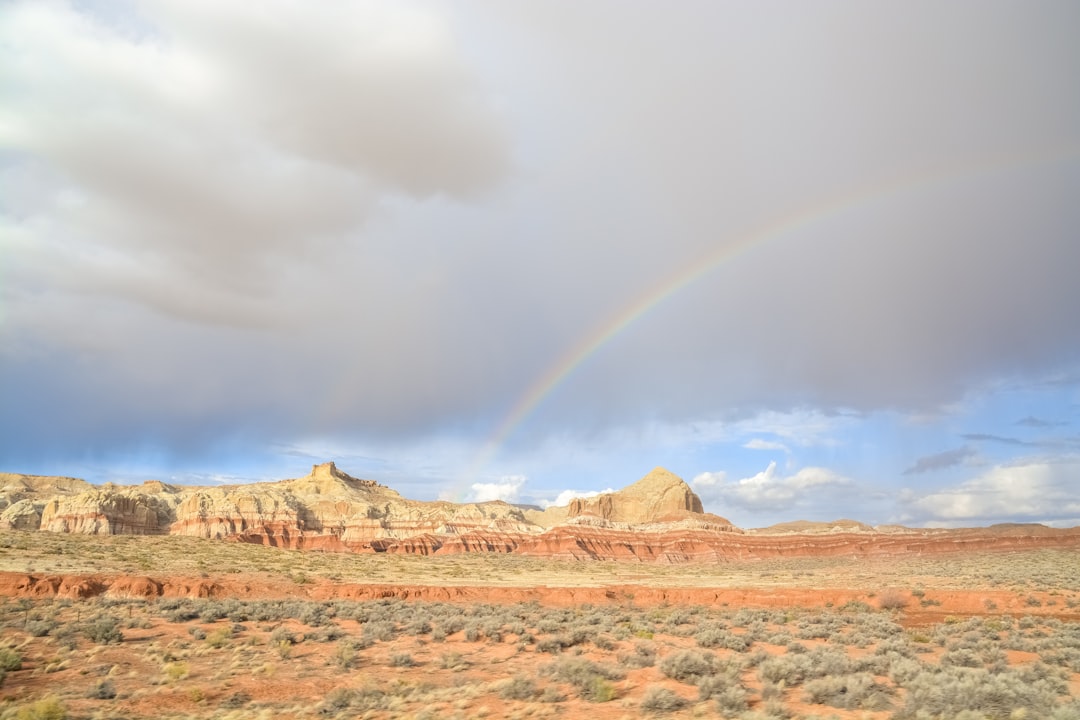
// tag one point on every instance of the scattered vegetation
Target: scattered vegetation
(228, 658)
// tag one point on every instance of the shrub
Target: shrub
(660, 700)
(103, 690)
(401, 660)
(48, 708)
(714, 636)
(337, 700)
(951, 690)
(858, 606)
(788, 669)
(688, 665)
(731, 700)
(590, 679)
(103, 630)
(598, 690)
(237, 700)
(346, 654)
(549, 645)
(40, 628)
(381, 630)
(453, 661)
(176, 670)
(10, 659)
(848, 692)
(644, 655)
(219, 638)
(518, 688)
(552, 694)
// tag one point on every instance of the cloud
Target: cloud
(769, 490)
(507, 489)
(400, 221)
(759, 444)
(1066, 443)
(1034, 422)
(222, 147)
(1035, 491)
(940, 460)
(709, 479)
(1000, 439)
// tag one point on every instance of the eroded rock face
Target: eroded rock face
(658, 519)
(109, 510)
(21, 515)
(658, 495)
(327, 510)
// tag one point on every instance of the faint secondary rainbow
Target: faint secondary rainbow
(797, 221)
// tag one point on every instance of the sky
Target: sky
(818, 259)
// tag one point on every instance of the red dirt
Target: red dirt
(939, 604)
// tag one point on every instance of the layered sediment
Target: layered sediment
(658, 519)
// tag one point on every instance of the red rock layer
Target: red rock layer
(971, 602)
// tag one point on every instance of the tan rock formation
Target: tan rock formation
(21, 515)
(658, 495)
(109, 510)
(658, 519)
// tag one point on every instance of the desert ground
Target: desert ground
(171, 627)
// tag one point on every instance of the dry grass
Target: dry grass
(42, 552)
(803, 663)
(233, 658)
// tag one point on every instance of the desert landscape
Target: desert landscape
(331, 596)
(338, 339)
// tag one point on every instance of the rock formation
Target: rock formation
(658, 495)
(657, 519)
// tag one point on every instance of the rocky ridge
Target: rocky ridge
(657, 519)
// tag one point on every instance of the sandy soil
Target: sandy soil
(296, 640)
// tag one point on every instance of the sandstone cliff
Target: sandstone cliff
(657, 519)
(658, 495)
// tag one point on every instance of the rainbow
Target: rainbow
(788, 225)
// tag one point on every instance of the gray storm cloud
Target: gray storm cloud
(392, 219)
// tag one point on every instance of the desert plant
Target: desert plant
(346, 655)
(549, 645)
(848, 692)
(47, 708)
(103, 630)
(688, 665)
(237, 700)
(219, 638)
(452, 661)
(590, 679)
(10, 659)
(40, 628)
(176, 670)
(337, 700)
(644, 655)
(103, 690)
(951, 690)
(731, 700)
(401, 660)
(518, 687)
(715, 636)
(661, 700)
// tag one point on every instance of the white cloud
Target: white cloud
(566, 496)
(1037, 490)
(709, 479)
(507, 489)
(802, 427)
(759, 444)
(769, 490)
